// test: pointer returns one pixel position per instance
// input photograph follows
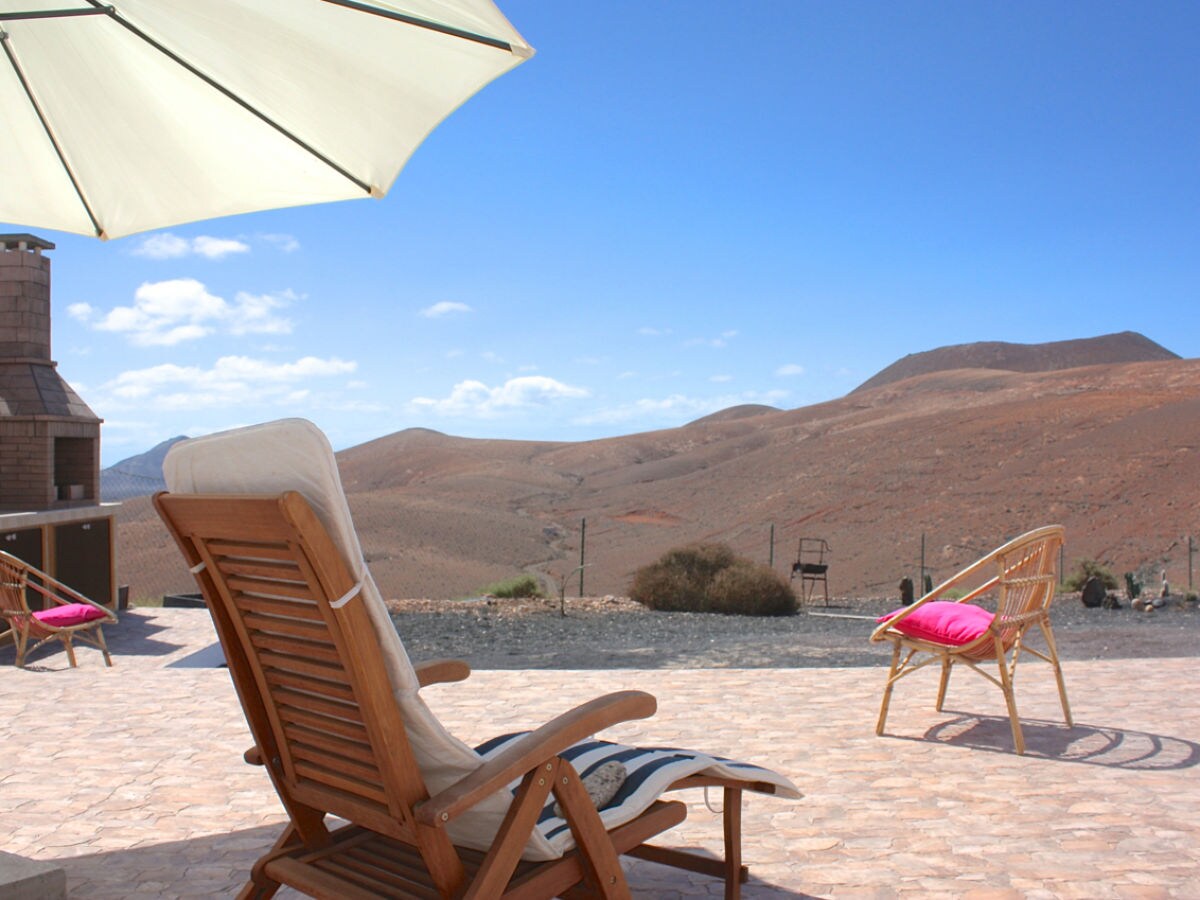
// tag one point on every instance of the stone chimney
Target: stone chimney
(49, 438)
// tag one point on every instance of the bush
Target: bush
(1085, 569)
(513, 588)
(711, 578)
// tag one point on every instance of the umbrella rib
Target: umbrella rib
(16, 67)
(244, 104)
(49, 14)
(424, 23)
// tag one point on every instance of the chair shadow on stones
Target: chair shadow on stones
(215, 865)
(1093, 745)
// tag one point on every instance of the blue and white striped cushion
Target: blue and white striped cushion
(650, 772)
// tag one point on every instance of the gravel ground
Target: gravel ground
(604, 633)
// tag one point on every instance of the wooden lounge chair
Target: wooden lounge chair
(334, 708)
(65, 615)
(1023, 580)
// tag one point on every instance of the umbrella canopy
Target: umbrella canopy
(129, 115)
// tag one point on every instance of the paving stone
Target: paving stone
(161, 805)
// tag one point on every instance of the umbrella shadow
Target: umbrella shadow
(220, 864)
(1093, 745)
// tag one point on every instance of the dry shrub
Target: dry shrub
(518, 587)
(711, 578)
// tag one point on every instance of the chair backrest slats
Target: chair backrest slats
(275, 577)
(290, 608)
(320, 686)
(1025, 584)
(14, 580)
(346, 748)
(286, 646)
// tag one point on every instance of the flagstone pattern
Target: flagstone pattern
(131, 778)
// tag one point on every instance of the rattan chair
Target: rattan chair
(66, 615)
(335, 710)
(1021, 578)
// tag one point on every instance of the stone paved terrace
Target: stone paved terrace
(131, 778)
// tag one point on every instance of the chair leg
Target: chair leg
(732, 814)
(1010, 698)
(1062, 685)
(261, 886)
(103, 646)
(66, 639)
(887, 691)
(944, 683)
(20, 642)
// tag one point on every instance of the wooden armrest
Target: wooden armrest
(537, 747)
(438, 671)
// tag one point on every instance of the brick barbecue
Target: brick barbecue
(50, 510)
(49, 438)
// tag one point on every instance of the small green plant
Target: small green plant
(1085, 569)
(711, 578)
(1133, 587)
(514, 588)
(953, 594)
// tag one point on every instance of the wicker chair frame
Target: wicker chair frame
(16, 578)
(1024, 585)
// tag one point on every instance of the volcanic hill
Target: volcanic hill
(966, 456)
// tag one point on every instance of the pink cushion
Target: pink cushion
(944, 622)
(71, 614)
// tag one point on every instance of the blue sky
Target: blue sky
(678, 207)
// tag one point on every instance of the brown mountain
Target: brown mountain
(965, 457)
(1127, 346)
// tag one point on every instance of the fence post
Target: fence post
(1191, 551)
(582, 543)
(922, 581)
(771, 557)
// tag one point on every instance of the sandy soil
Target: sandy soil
(613, 632)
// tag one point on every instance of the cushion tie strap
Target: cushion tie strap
(347, 597)
(197, 568)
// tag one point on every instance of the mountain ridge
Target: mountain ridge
(964, 457)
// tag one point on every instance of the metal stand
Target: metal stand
(811, 566)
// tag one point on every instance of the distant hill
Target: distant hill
(1127, 346)
(955, 461)
(138, 475)
(745, 411)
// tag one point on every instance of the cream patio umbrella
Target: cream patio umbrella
(130, 115)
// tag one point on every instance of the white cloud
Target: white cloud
(720, 341)
(165, 245)
(444, 308)
(285, 243)
(217, 248)
(254, 313)
(720, 379)
(233, 381)
(166, 313)
(653, 332)
(674, 409)
(474, 398)
(790, 369)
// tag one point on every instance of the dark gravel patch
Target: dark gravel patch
(612, 633)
